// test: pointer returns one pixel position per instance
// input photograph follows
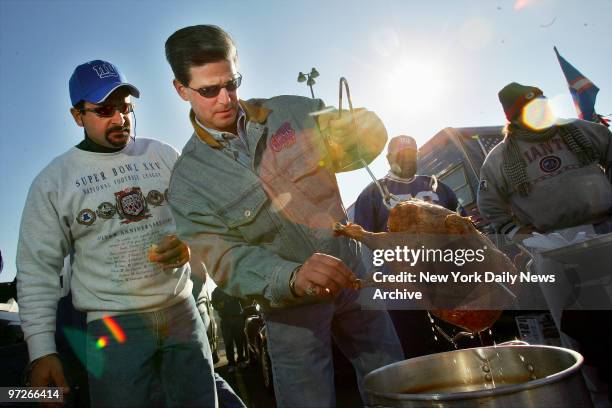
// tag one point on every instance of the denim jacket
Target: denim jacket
(254, 226)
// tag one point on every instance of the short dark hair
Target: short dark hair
(198, 45)
(80, 105)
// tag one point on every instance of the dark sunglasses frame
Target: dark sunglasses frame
(213, 90)
(107, 111)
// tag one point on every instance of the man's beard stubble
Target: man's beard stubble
(117, 143)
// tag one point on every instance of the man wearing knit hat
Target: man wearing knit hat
(524, 180)
(546, 177)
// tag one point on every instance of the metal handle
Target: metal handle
(348, 96)
(384, 192)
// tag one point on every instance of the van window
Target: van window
(457, 180)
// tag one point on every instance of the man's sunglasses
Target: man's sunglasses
(107, 111)
(213, 90)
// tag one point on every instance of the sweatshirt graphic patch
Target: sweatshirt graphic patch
(131, 205)
(86, 217)
(550, 164)
(106, 210)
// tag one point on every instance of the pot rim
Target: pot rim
(507, 389)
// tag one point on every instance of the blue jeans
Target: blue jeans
(227, 395)
(165, 360)
(299, 342)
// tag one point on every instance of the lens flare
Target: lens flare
(280, 202)
(416, 81)
(562, 106)
(114, 328)
(102, 342)
(78, 341)
(538, 115)
(521, 4)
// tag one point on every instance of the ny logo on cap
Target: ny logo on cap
(105, 71)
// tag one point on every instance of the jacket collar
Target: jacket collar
(254, 113)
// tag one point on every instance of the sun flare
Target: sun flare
(538, 114)
(415, 85)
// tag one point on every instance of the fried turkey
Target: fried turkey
(420, 224)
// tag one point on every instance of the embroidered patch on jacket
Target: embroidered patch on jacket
(283, 138)
(132, 205)
(549, 164)
(86, 217)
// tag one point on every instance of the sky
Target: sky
(420, 65)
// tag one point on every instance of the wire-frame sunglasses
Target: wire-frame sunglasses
(107, 111)
(213, 90)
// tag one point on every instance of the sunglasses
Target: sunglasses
(107, 111)
(213, 90)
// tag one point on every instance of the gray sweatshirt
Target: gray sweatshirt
(109, 208)
(564, 193)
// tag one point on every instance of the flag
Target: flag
(582, 89)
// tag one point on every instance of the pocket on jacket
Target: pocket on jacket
(250, 216)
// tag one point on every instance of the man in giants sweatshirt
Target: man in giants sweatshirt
(105, 200)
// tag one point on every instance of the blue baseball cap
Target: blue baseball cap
(93, 81)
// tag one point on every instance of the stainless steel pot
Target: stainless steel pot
(500, 376)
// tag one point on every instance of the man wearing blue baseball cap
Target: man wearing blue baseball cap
(101, 83)
(95, 80)
(105, 201)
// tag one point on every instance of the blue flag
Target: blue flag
(582, 89)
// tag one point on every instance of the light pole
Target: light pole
(309, 78)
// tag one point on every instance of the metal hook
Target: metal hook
(348, 96)
(384, 191)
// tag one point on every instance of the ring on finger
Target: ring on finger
(311, 291)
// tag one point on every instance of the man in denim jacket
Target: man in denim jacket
(255, 194)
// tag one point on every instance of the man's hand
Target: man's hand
(344, 132)
(323, 275)
(171, 252)
(343, 129)
(47, 371)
